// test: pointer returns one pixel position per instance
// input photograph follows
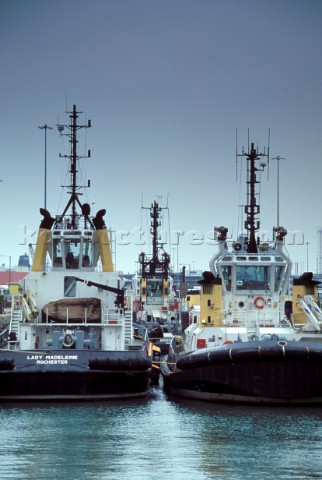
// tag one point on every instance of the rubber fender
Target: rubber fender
(187, 362)
(7, 364)
(120, 364)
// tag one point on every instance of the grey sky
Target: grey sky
(166, 84)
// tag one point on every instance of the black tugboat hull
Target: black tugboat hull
(73, 375)
(270, 374)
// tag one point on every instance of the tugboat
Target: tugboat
(70, 335)
(249, 342)
(155, 300)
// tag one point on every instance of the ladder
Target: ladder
(14, 327)
(128, 334)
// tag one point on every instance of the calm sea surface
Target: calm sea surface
(159, 438)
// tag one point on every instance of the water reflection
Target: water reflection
(159, 436)
(248, 442)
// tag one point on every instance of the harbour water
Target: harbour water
(159, 438)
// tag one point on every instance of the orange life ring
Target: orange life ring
(259, 302)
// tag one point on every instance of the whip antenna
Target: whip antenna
(236, 157)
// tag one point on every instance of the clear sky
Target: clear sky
(166, 83)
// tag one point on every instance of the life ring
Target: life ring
(228, 342)
(259, 302)
(68, 340)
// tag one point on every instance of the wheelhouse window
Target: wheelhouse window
(154, 288)
(72, 252)
(87, 253)
(253, 277)
(279, 271)
(57, 253)
(226, 273)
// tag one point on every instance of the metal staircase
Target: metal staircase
(128, 327)
(311, 310)
(14, 327)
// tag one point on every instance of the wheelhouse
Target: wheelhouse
(245, 273)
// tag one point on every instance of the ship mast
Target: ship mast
(155, 212)
(155, 264)
(252, 209)
(73, 128)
